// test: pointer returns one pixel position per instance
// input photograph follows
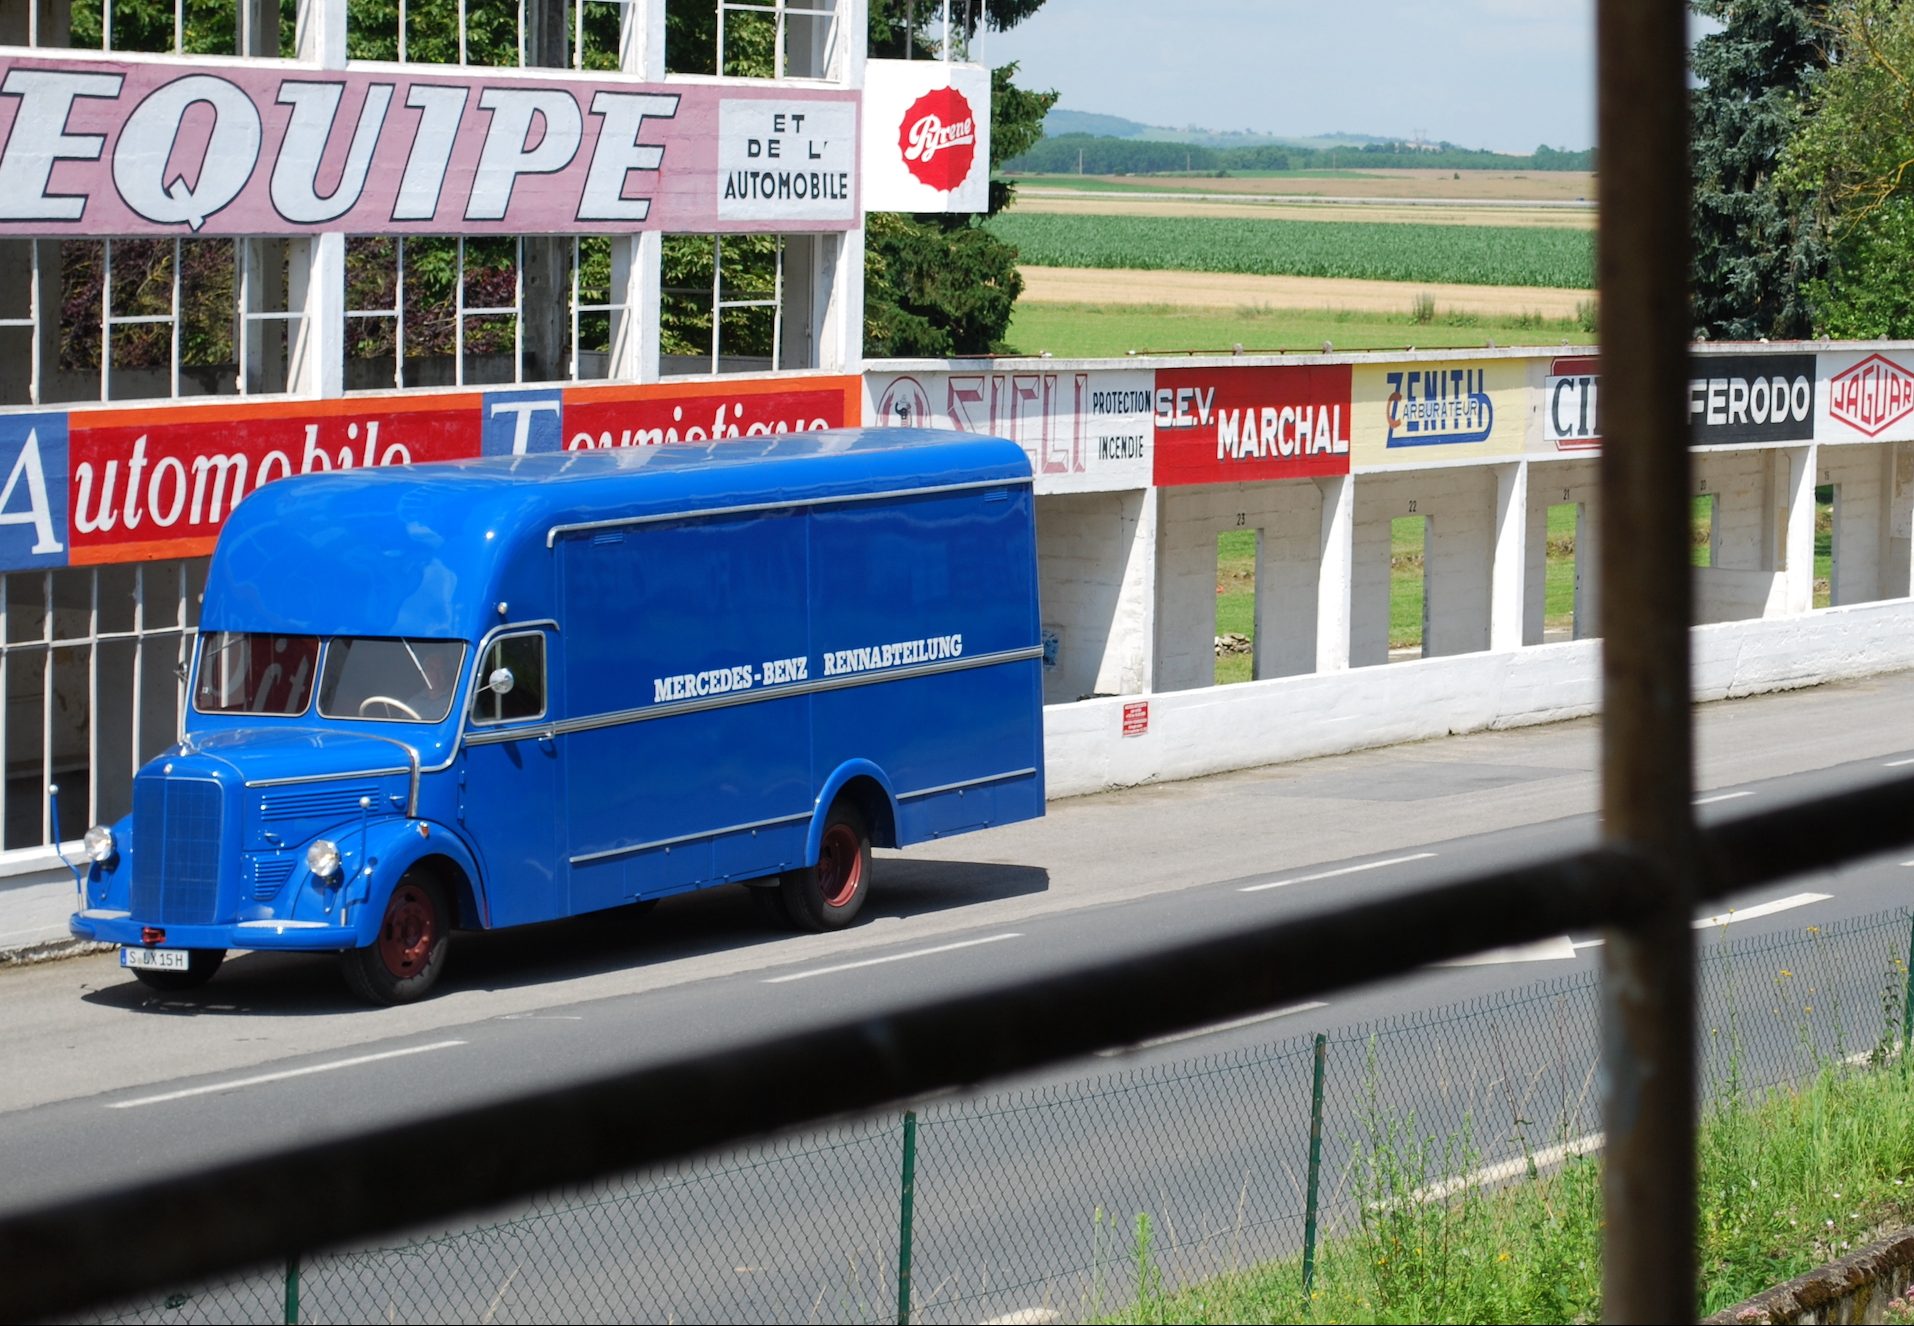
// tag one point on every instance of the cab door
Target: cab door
(511, 783)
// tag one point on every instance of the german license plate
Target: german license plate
(154, 959)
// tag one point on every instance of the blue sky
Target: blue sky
(1505, 75)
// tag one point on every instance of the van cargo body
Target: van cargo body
(493, 692)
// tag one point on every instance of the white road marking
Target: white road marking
(1213, 1029)
(1546, 1158)
(894, 957)
(237, 1083)
(1788, 903)
(1331, 874)
(1542, 950)
(1721, 796)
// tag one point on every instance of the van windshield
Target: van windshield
(390, 680)
(243, 672)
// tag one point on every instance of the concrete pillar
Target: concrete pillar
(318, 286)
(1509, 563)
(1793, 515)
(1897, 520)
(838, 307)
(545, 261)
(1335, 573)
(637, 260)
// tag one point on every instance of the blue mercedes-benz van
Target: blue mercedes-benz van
(491, 692)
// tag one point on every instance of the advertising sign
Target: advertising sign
(148, 483)
(143, 484)
(1742, 398)
(926, 136)
(1865, 397)
(1237, 425)
(1084, 431)
(33, 527)
(1569, 418)
(130, 147)
(649, 416)
(1411, 414)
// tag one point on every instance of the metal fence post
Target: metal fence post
(1907, 999)
(905, 1209)
(1315, 1169)
(292, 1289)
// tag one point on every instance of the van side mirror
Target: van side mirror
(500, 682)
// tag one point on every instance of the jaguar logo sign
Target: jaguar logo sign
(1871, 395)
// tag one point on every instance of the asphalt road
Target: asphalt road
(104, 1079)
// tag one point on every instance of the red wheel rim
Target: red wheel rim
(410, 930)
(840, 866)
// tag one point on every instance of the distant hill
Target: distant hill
(1082, 143)
(1061, 123)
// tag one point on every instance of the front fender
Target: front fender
(374, 864)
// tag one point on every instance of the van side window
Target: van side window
(524, 657)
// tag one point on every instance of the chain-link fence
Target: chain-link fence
(1037, 1201)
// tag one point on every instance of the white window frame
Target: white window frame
(170, 625)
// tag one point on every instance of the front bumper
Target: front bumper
(109, 926)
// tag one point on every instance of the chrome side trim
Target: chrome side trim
(553, 534)
(968, 782)
(326, 778)
(688, 838)
(618, 718)
(790, 819)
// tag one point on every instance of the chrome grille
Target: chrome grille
(176, 823)
(291, 803)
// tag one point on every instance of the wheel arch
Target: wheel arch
(400, 848)
(864, 786)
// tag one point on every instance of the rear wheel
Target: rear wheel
(830, 894)
(404, 959)
(201, 963)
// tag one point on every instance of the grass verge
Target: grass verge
(1795, 1180)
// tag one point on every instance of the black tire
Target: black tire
(404, 959)
(201, 963)
(829, 894)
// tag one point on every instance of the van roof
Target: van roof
(432, 549)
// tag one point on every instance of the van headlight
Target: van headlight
(98, 843)
(322, 858)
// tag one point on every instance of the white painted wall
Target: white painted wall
(1460, 505)
(1096, 554)
(1576, 483)
(1289, 517)
(1863, 478)
(1193, 733)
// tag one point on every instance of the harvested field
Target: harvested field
(1071, 202)
(1078, 285)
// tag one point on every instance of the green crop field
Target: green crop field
(1087, 331)
(1374, 251)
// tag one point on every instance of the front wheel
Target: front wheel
(830, 894)
(404, 959)
(201, 963)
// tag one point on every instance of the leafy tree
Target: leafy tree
(939, 284)
(1854, 151)
(1757, 247)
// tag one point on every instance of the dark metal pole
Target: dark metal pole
(1315, 1170)
(906, 1213)
(1648, 989)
